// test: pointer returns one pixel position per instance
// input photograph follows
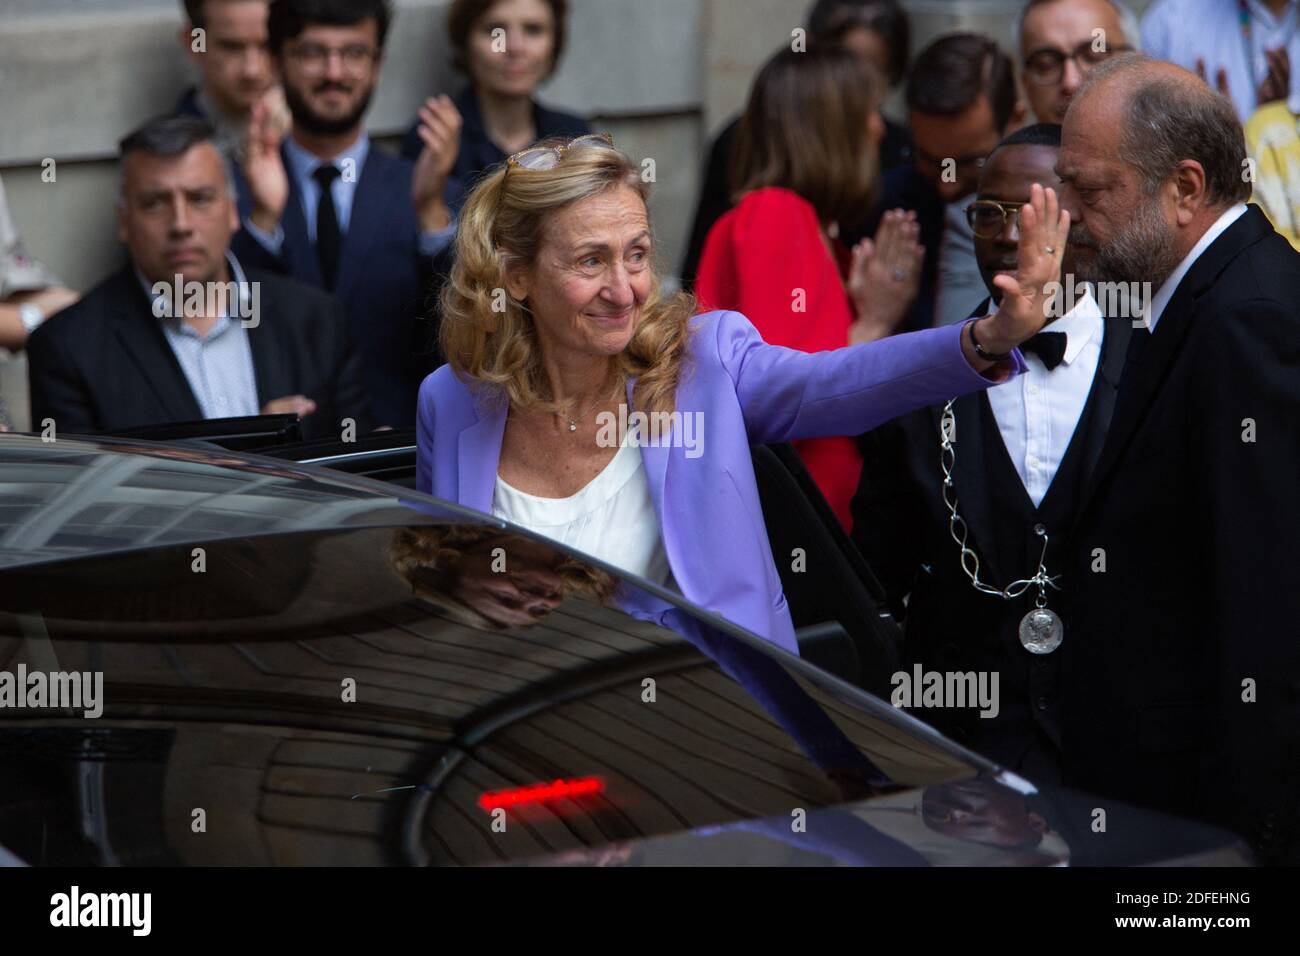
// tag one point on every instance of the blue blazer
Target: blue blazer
(384, 282)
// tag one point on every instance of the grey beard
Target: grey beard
(1142, 251)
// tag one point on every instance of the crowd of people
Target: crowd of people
(1089, 493)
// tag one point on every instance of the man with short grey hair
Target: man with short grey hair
(1181, 673)
(182, 333)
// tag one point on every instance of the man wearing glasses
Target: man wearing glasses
(1019, 456)
(1060, 41)
(332, 211)
(961, 100)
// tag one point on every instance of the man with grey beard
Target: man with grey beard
(1181, 671)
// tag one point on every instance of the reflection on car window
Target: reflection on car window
(444, 694)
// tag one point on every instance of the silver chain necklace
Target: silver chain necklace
(1041, 630)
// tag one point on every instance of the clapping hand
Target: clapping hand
(884, 276)
(263, 168)
(439, 130)
(1276, 84)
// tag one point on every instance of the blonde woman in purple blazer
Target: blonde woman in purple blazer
(579, 403)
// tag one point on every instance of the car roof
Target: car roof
(74, 498)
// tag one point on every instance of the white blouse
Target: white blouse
(611, 518)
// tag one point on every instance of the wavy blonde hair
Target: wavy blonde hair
(503, 225)
(429, 559)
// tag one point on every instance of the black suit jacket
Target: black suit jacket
(1198, 524)
(104, 364)
(901, 525)
(388, 289)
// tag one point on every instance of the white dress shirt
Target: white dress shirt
(1182, 31)
(218, 365)
(611, 518)
(1038, 411)
(1160, 300)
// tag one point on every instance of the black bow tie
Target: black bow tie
(1048, 346)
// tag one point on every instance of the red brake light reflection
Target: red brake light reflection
(541, 793)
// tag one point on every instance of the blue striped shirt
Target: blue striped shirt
(219, 364)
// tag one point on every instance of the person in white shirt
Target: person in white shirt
(1018, 461)
(1243, 48)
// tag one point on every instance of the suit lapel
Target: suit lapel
(1114, 347)
(972, 470)
(478, 453)
(299, 251)
(144, 343)
(1143, 379)
(364, 222)
(655, 460)
(970, 476)
(269, 366)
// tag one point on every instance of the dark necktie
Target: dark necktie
(1048, 346)
(328, 239)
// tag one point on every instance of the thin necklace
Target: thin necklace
(573, 422)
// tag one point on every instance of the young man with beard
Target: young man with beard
(333, 211)
(1020, 456)
(1180, 672)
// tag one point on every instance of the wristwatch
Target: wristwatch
(31, 316)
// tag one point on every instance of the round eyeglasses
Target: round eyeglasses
(988, 217)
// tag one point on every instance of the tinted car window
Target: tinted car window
(377, 694)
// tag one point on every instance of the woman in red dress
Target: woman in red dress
(806, 156)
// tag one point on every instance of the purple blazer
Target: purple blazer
(748, 392)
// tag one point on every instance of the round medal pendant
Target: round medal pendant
(1041, 631)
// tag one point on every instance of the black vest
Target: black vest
(982, 631)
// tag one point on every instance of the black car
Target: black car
(305, 666)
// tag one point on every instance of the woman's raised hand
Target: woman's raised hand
(1027, 297)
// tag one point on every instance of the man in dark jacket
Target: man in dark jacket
(182, 332)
